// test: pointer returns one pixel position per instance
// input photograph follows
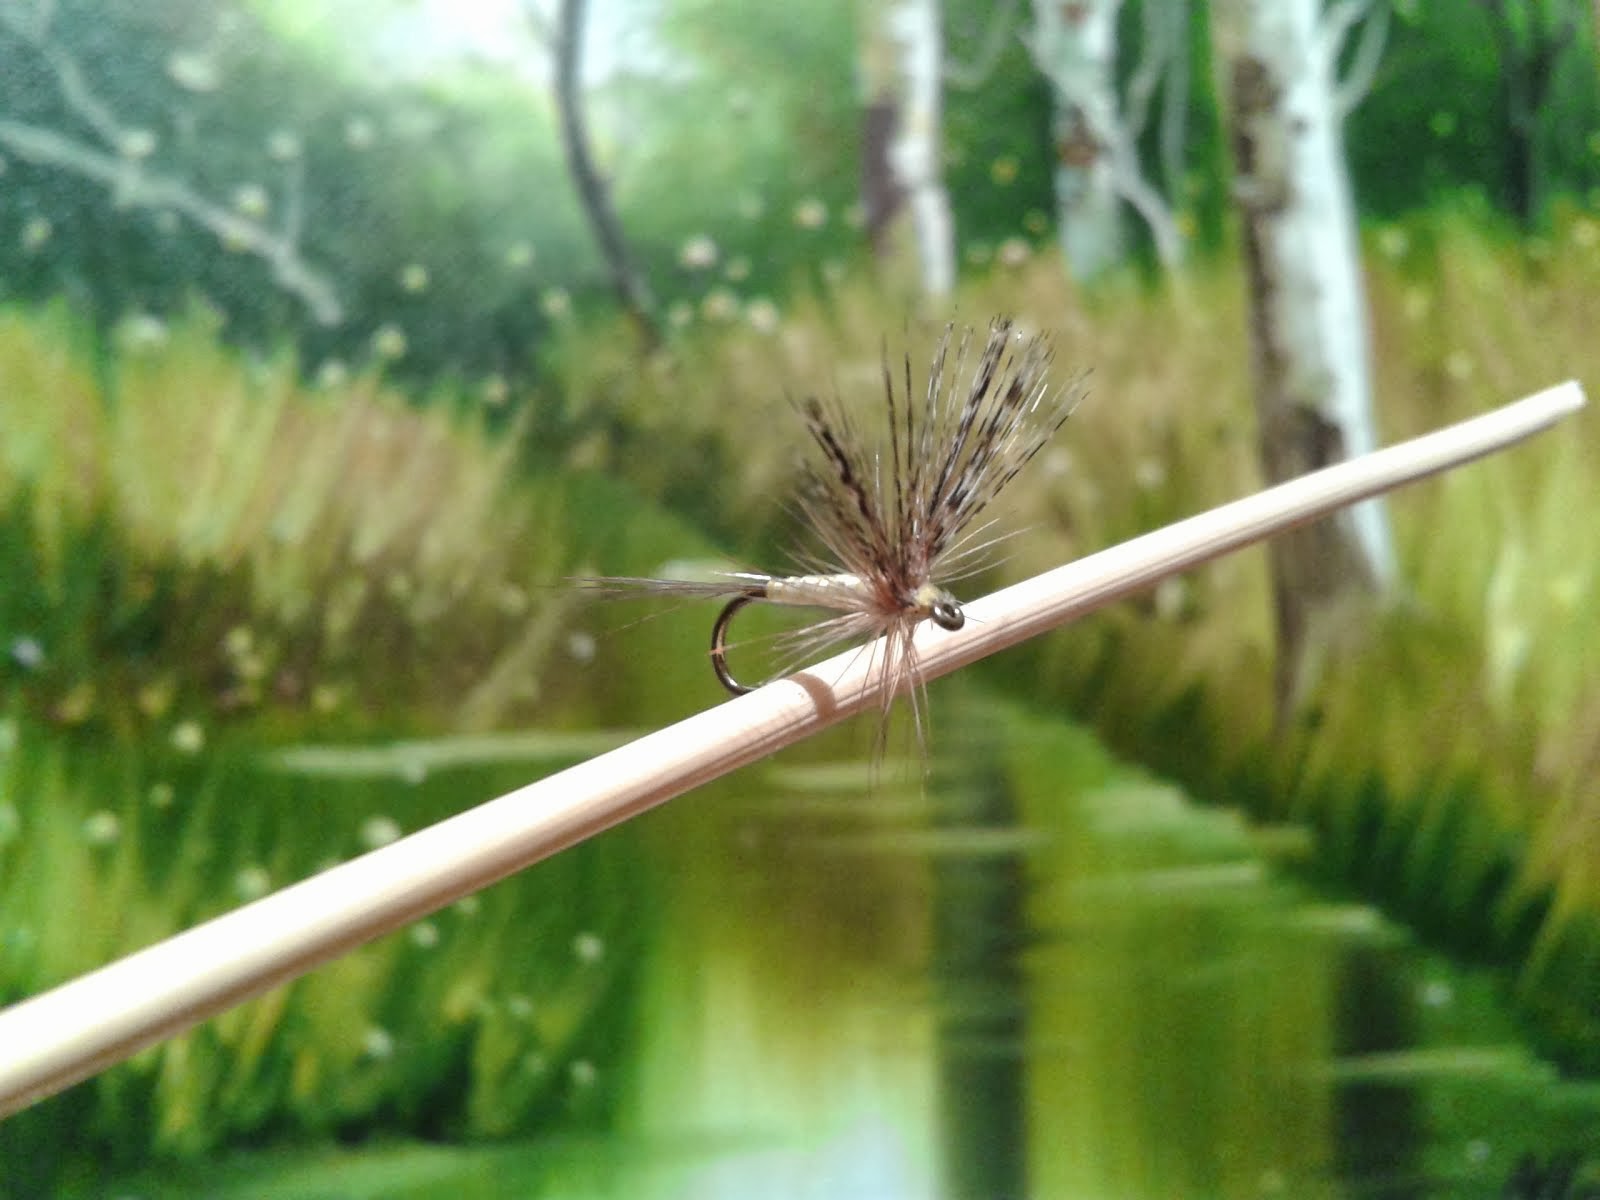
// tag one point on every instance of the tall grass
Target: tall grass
(217, 541)
(216, 557)
(1446, 754)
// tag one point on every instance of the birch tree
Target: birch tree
(1278, 64)
(1097, 127)
(907, 208)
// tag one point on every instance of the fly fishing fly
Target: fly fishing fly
(893, 519)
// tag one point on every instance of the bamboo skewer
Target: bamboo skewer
(64, 1035)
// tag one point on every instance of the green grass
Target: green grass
(215, 542)
(1446, 754)
(325, 564)
(468, 1023)
(338, 564)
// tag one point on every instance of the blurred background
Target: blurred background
(335, 336)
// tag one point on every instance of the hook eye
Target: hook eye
(947, 614)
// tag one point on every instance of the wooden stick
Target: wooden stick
(62, 1036)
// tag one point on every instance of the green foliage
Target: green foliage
(205, 558)
(436, 209)
(164, 626)
(436, 219)
(301, 530)
(752, 151)
(215, 560)
(1443, 757)
(506, 1012)
(997, 133)
(1440, 105)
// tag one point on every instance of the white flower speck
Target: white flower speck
(379, 831)
(102, 828)
(27, 653)
(763, 315)
(811, 214)
(136, 144)
(1013, 252)
(377, 1043)
(698, 253)
(36, 231)
(193, 71)
(389, 342)
(141, 331)
(284, 145)
(719, 304)
(252, 882)
(188, 737)
(252, 200)
(556, 304)
(589, 948)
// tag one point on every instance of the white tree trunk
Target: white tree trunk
(908, 208)
(1075, 48)
(1277, 61)
(1097, 129)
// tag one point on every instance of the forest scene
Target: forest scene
(337, 340)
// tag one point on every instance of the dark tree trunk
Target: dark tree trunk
(1528, 66)
(881, 194)
(630, 285)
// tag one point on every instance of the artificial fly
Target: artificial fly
(893, 519)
